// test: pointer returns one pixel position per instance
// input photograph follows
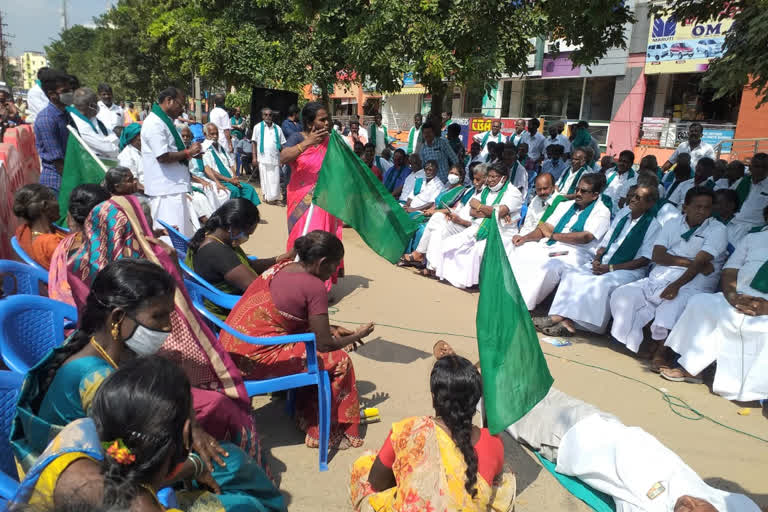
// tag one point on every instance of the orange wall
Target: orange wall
(752, 122)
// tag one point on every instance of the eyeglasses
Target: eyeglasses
(584, 190)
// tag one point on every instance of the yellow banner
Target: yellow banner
(678, 47)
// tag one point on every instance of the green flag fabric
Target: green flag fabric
(515, 373)
(348, 189)
(79, 168)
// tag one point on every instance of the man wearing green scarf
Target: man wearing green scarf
(729, 327)
(378, 134)
(622, 257)
(754, 190)
(166, 175)
(688, 254)
(566, 240)
(566, 185)
(620, 177)
(268, 140)
(94, 133)
(702, 176)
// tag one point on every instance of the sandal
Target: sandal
(557, 330)
(409, 261)
(680, 375)
(541, 322)
(657, 365)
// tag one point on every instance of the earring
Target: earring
(115, 331)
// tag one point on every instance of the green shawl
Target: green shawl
(627, 251)
(485, 226)
(159, 112)
(580, 221)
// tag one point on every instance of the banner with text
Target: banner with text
(483, 124)
(675, 46)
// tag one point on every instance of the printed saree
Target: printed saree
(430, 474)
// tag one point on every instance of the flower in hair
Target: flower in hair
(118, 451)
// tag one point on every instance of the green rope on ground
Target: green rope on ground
(676, 404)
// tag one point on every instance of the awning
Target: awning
(418, 89)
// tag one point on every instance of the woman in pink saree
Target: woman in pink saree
(304, 152)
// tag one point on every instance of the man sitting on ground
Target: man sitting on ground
(620, 177)
(518, 175)
(369, 154)
(425, 190)
(754, 191)
(544, 198)
(726, 205)
(679, 175)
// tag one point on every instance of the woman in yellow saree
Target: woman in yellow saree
(440, 463)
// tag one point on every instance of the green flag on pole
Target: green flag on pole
(348, 189)
(515, 373)
(80, 166)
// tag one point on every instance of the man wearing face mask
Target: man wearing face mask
(93, 132)
(51, 133)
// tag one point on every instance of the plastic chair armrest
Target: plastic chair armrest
(8, 486)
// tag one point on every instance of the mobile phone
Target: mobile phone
(555, 254)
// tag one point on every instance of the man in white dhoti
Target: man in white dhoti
(218, 167)
(753, 194)
(378, 134)
(165, 159)
(268, 139)
(492, 135)
(216, 193)
(627, 463)
(96, 136)
(730, 327)
(415, 139)
(457, 258)
(565, 240)
(566, 185)
(688, 255)
(544, 185)
(221, 119)
(425, 190)
(702, 177)
(109, 113)
(582, 299)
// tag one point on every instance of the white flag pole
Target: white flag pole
(72, 131)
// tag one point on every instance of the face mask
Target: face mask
(67, 98)
(238, 240)
(145, 341)
(453, 179)
(498, 186)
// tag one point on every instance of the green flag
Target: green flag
(515, 373)
(79, 168)
(348, 189)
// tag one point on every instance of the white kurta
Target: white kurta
(520, 181)
(439, 228)
(428, 193)
(736, 341)
(750, 214)
(167, 184)
(269, 158)
(700, 151)
(537, 272)
(480, 137)
(220, 118)
(36, 101)
(584, 297)
(130, 157)
(618, 185)
(635, 304)
(536, 209)
(409, 183)
(216, 196)
(103, 145)
(111, 116)
(381, 137)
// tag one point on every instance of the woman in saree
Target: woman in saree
(215, 252)
(137, 440)
(290, 298)
(305, 151)
(118, 229)
(81, 201)
(219, 168)
(36, 205)
(439, 462)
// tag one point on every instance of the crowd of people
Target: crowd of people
(617, 246)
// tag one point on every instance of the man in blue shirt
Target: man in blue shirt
(554, 163)
(51, 132)
(290, 126)
(438, 149)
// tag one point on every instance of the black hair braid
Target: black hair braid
(459, 421)
(47, 372)
(211, 225)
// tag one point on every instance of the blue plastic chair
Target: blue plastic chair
(179, 241)
(197, 279)
(30, 326)
(10, 386)
(26, 278)
(314, 376)
(21, 253)
(523, 213)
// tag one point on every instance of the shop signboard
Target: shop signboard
(483, 124)
(676, 46)
(653, 129)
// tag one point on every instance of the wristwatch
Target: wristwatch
(610, 267)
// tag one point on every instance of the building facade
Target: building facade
(31, 62)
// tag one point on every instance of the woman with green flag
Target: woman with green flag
(216, 159)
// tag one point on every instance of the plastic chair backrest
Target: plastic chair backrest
(21, 253)
(30, 326)
(179, 241)
(197, 279)
(10, 386)
(24, 279)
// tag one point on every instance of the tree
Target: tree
(744, 61)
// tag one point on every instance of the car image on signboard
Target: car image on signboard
(709, 47)
(680, 50)
(657, 51)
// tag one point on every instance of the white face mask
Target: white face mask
(453, 179)
(145, 341)
(498, 186)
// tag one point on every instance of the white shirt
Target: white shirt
(645, 250)
(700, 151)
(722, 183)
(521, 179)
(161, 178)
(271, 154)
(667, 213)
(479, 137)
(751, 212)
(416, 134)
(210, 161)
(220, 118)
(464, 209)
(619, 185)
(559, 139)
(570, 176)
(711, 237)
(536, 143)
(131, 158)
(515, 138)
(678, 195)
(111, 116)
(103, 145)
(381, 138)
(409, 183)
(536, 209)
(429, 192)
(597, 224)
(383, 164)
(36, 101)
(512, 199)
(751, 253)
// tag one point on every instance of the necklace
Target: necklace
(103, 353)
(217, 239)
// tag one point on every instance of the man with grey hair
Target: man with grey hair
(220, 118)
(96, 136)
(268, 140)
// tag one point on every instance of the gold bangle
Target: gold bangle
(301, 149)
(610, 267)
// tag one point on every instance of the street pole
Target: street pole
(198, 102)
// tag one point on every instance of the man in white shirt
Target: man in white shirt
(570, 178)
(732, 332)
(414, 161)
(220, 118)
(268, 140)
(619, 178)
(165, 157)
(565, 240)
(694, 146)
(535, 140)
(556, 136)
(688, 254)
(93, 132)
(493, 135)
(414, 135)
(378, 134)
(702, 176)
(37, 100)
(425, 190)
(545, 195)
(109, 113)
(582, 299)
(516, 137)
(516, 171)
(754, 190)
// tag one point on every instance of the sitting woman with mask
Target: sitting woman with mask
(138, 439)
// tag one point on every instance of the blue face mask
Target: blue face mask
(239, 239)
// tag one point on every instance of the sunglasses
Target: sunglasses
(584, 190)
